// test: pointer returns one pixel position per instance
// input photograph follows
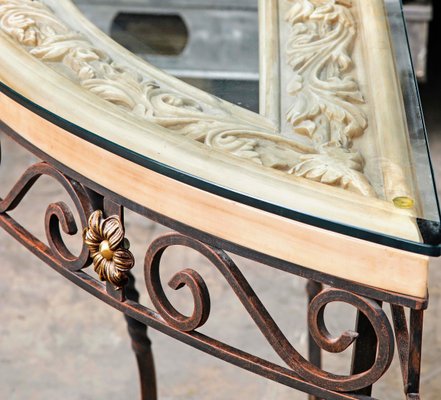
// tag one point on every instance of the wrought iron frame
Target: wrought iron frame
(373, 340)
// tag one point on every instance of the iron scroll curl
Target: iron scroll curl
(58, 215)
(266, 324)
(301, 374)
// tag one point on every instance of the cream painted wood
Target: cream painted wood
(61, 85)
(323, 101)
(343, 256)
(101, 118)
(269, 81)
(87, 79)
(390, 123)
(338, 87)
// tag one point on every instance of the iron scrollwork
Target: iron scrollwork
(105, 246)
(263, 319)
(104, 240)
(57, 214)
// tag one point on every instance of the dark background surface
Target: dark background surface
(430, 91)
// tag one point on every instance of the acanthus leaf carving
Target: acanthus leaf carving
(325, 97)
(335, 166)
(324, 109)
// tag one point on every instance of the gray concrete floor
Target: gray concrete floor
(57, 341)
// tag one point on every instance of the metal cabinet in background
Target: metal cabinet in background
(213, 39)
(220, 36)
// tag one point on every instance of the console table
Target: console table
(331, 181)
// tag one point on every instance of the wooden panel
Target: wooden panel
(328, 74)
(346, 257)
(65, 98)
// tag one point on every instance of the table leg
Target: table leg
(409, 344)
(415, 348)
(314, 352)
(365, 349)
(141, 345)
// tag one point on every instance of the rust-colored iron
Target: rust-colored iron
(57, 214)
(263, 319)
(372, 339)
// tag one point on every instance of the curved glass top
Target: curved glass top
(320, 119)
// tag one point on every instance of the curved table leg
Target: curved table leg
(142, 346)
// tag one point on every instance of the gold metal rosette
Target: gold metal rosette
(108, 248)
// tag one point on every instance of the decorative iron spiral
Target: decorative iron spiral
(262, 318)
(57, 214)
(187, 277)
(379, 321)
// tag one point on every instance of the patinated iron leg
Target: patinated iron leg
(141, 345)
(415, 348)
(365, 349)
(409, 344)
(314, 352)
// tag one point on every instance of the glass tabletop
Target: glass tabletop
(325, 124)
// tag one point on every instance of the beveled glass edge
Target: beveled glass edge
(433, 250)
(418, 135)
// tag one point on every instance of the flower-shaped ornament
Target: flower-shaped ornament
(108, 248)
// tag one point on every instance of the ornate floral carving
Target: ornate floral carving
(335, 166)
(108, 248)
(46, 37)
(325, 98)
